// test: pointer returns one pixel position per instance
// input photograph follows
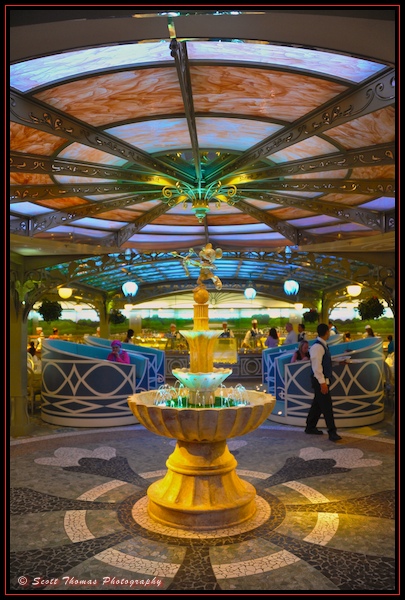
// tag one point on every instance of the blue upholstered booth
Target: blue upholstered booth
(357, 387)
(269, 356)
(155, 357)
(81, 388)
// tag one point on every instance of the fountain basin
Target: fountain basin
(201, 490)
(202, 424)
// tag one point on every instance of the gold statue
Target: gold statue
(206, 259)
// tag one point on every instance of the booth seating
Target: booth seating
(357, 387)
(34, 384)
(156, 358)
(81, 388)
(269, 356)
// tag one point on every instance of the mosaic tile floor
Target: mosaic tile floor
(325, 519)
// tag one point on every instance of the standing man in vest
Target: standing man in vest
(226, 333)
(321, 365)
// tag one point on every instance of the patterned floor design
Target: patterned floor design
(325, 519)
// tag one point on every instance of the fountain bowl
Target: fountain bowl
(202, 424)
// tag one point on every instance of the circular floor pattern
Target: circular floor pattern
(324, 520)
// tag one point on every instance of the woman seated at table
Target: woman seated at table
(302, 352)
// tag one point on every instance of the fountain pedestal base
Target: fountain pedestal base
(201, 489)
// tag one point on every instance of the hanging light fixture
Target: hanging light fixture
(130, 288)
(250, 292)
(65, 292)
(354, 290)
(298, 306)
(291, 287)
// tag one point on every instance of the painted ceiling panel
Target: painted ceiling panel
(29, 179)
(48, 69)
(380, 204)
(98, 223)
(315, 146)
(120, 215)
(28, 208)
(374, 128)
(313, 220)
(156, 135)
(338, 174)
(77, 231)
(26, 139)
(342, 227)
(118, 96)
(258, 92)
(384, 172)
(77, 151)
(173, 230)
(81, 180)
(345, 67)
(62, 203)
(290, 213)
(231, 220)
(237, 134)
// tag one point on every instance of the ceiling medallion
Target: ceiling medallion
(199, 196)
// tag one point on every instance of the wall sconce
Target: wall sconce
(65, 292)
(250, 292)
(130, 288)
(354, 290)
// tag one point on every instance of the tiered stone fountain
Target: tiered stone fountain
(201, 489)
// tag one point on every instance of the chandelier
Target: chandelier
(250, 292)
(130, 288)
(199, 196)
(291, 287)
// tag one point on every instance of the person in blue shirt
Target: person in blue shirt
(391, 346)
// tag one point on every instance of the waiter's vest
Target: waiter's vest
(326, 361)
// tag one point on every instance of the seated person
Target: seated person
(292, 336)
(128, 338)
(55, 334)
(302, 352)
(272, 339)
(118, 354)
(31, 349)
(347, 337)
(332, 328)
(391, 347)
(226, 333)
(34, 359)
(368, 332)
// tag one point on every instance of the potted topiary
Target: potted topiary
(50, 310)
(311, 316)
(369, 309)
(116, 317)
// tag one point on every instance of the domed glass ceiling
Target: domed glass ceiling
(141, 149)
